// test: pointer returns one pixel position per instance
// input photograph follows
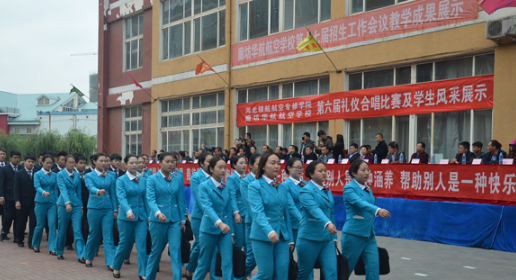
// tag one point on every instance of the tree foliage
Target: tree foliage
(74, 141)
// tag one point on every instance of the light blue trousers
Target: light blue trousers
(308, 252)
(209, 243)
(101, 225)
(161, 233)
(129, 233)
(64, 220)
(355, 246)
(43, 212)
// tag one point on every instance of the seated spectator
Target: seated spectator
(324, 140)
(284, 151)
(338, 149)
(512, 151)
(218, 153)
(394, 153)
(309, 154)
(184, 156)
(381, 149)
(477, 150)
(232, 152)
(365, 154)
(353, 152)
(306, 141)
(252, 150)
(420, 153)
(325, 154)
(241, 151)
(292, 152)
(265, 149)
(279, 152)
(495, 149)
(463, 149)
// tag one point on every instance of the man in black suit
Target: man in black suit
(37, 167)
(395, 153)
(381, 148)
(7, 193)
(463, 149)
(24, 193)
(3, 155)
(80, 167)
(116, 160)
(353, 152)
(60, 161)
(292, 152)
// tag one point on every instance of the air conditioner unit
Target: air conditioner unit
(502, 30)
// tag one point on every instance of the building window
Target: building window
(189, 26)
(260, 18)
(43, 101)
(359, 6)
(133, 130)
(29, 130)
(68, 106)
(425, 72)
(187, 123)
(133, 42)
(283, 134)
(448, 128)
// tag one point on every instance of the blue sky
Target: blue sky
(38, 38)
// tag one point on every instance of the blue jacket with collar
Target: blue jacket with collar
(195, 182)
(132, 196)
(360, 210)
(94, 183)
(294, 192)
(317, 211)
(70, 188)
(217, 204)
(233, 183)
(45, 183)
(166, 197)
(244, 190)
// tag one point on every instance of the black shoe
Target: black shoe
(53, 253)
(116, 275)
(127, 261)
(188, 277)
(30, 247)
(69, 247)
(141, 278)
(88, 264)
(21, 245)
(4, 237)
(110, 268)
(81, 260)
(36, 250)
(60, 257)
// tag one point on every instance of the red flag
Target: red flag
(203, 67)
(490, 6)
(134, 80)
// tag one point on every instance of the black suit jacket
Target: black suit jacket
(37, 167)
(289, 156)
(381, 150)
(85, 193)
(311, 156)
(117, 172)
(55, 169)
(469, 157)
(24, 191)
(354, 157)
(7, 181)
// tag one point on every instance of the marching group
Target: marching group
(253, 213)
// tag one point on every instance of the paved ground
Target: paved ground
(409, 260)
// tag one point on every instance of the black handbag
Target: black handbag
(384, 263)
(238, 263)
(185, 250)
(342, 266)
(188, 233)
(293, 267)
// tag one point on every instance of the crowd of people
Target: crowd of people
(254, 213)
(326, 149)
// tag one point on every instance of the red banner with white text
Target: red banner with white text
(423, 98)
(389, 21)
(492, 184)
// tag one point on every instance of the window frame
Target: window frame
(349, 6)
(192, 18)
(127, 64)
(128, 133)
(281, 18)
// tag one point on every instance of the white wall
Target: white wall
(63, 123)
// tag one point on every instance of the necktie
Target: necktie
(30, 174)
(15, 168)
(222, 186)
(325, 190)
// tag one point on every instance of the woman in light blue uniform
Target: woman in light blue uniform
(102, 210)
(250, 262)
(165, 195)
(238, 163)
(197, 213)
(218, 206)
(358, 238)
(317, 238)
(70, 208)
(45, 183)
(271, 231)
(131, 191)
(294, 184)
